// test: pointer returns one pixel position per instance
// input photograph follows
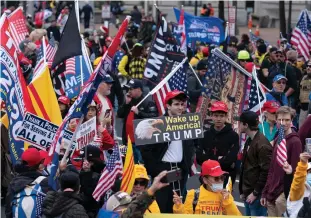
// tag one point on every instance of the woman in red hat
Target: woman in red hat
(268, 126)
(211, 198)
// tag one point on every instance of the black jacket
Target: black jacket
(18, 184)
(147, 109)
(153, 154)
(224, 143)
(256, 160)
(194, 89)
(67, 204)
(116, 90)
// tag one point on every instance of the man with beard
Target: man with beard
(220, 142)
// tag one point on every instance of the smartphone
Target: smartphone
(308, 145)
(172, 176)
(107, 113)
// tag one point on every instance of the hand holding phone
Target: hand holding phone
(172, 176)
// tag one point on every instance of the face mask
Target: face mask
(216, 187)
(309, 179)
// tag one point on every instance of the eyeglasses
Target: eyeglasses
(140, 182)
(308, 66)
(281, 82)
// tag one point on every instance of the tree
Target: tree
(221, 10)
(282, 17)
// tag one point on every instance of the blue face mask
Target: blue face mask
(309, 179)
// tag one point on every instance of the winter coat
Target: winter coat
(278, 97)
(298, 191)
(67, 204)
(138, 207)
(257, 154)
(277, 181)
(216, 144)
(18, 184)
(194, 89)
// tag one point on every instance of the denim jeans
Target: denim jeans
(255, 209)
(138, 159)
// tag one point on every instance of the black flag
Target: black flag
(164, 54)
(70, 42)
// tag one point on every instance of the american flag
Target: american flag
(109, 174)
(18, 26)
(71, 66)
(281, 152)
(254, 39)
(40, 57)
(177, 82)
(182, 29)
(252, 101)
(51, 51)
(301, 35)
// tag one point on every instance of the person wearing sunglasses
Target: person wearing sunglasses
(211, 198)
(277, 94)
(243, 58)
(305, 90)
(140, 185)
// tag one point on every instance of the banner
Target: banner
(38, 132)
(165, 53)
(86, 133)
(13, 90)
(203, 29)
(169, 128)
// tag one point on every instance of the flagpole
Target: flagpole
(72, 140)
(257, 87)
(196, 76)
(155, 89)
(78, 21)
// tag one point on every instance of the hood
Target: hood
(227, 128)
(56, 203)
(292, 135)
(23, 179)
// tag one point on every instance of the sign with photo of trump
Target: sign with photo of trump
(169, 128)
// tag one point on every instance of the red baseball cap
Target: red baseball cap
(173, 94)
(219, 106)
(64, 99)
(44, 155)
(32, 156)
(205, 51)
(212, 168)
(249, 67)
(271, 106)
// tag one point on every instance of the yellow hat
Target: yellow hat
(140, 172)
(96, 61)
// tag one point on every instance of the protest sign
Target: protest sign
(37, 131)
(166, 129)
(86, 133)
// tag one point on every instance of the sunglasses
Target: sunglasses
(281, 82)
(308, 66)
(140, 182)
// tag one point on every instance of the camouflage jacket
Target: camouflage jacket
(138, 207)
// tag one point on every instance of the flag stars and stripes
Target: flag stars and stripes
(281, 153)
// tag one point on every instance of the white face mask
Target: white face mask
(216, 187)
(309, 179)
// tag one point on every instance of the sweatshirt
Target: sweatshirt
(277, 181)
(209, 203)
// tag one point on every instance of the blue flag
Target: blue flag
(203, 29)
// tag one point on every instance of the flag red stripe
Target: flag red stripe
(128, 174)
(39, 102)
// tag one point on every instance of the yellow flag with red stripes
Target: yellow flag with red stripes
(128, 178)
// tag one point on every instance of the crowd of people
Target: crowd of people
(267, 186)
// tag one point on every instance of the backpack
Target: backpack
(27, 203)
(195, 199)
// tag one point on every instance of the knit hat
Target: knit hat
(69, 179)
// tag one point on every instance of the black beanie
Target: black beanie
(69, 180)
(262, 48)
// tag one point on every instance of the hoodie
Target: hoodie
(222, 146)
(18, 184)
(65, 204)
(278, 182)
